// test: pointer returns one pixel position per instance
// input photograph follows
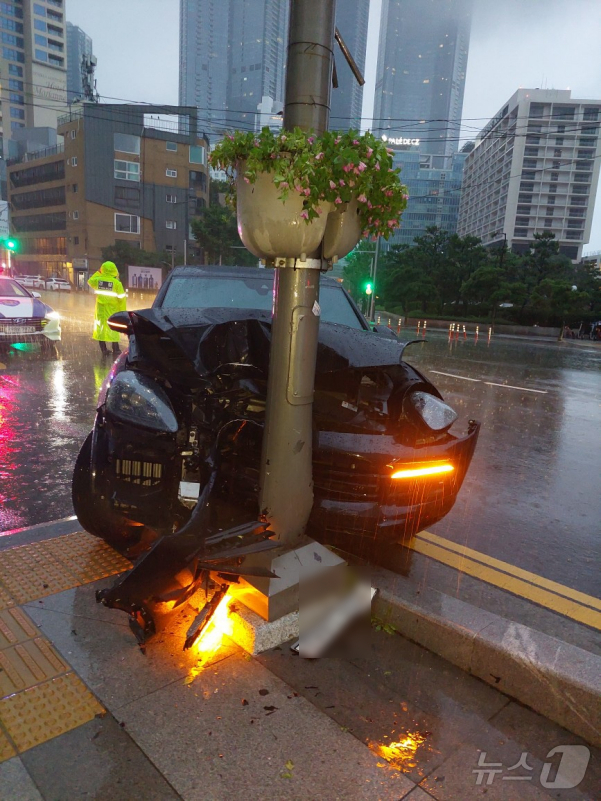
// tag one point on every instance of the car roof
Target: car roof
(190, 271)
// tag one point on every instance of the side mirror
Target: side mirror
(36, 294)
(384, 331)
(121, 323)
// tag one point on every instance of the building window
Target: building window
(591, 113)
(17, 113)
(14, 70)
(14, 126)
(521, 232)
(127, 170)
(559, 140)
(74, 161)
(76, 240)
(171, 146)
(39, 40)
(171, 198)
(76, 215)
(127, 223)
(75, 188)
(39, 10)
(41, 55)
(127, 196)
(197, 154)
(125, 143)
(556, 165)
(171, 173)
(557, 153)
(73, 133)
(528, 175)
(555, 176)
(17, 86)
(39, 25)
(13, 55)
(171, 224)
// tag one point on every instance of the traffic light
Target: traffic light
(368, 288)
(9, 243)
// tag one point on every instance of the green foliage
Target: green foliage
(445, 275)
(333, 168)
(124, 254)
(216, 232)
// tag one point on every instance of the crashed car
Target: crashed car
(25, 318)
(180, 421)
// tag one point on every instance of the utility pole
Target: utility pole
(372, 306)
(286, 481)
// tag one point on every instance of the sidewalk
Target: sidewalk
(84, 714)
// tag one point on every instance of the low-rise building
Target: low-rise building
(122, 173)
(535, 168)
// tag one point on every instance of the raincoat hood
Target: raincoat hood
(109, 269)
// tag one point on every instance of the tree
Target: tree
(216, 231)
(538, 274)
(357, 268)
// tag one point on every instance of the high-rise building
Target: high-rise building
(233, 61)
(535, 168)
(434, 192)
(420, 77)
(33, 70)
(351, 20)
(79, 45)
(232, 54)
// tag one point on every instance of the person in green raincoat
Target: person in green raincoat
(110, 298)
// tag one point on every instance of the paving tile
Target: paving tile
(5, 598)
(375, 713)
(418, 795)
(99, 761)
(6, 748)
(253, 739)
(106, 655)
(47, 710)
(15, 783)
(28, 664)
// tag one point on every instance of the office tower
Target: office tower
(347, 100)
(32, 64)
(535, 168)
(79, 44)
(421, 70)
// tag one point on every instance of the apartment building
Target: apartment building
(534, 168)
(136, 174)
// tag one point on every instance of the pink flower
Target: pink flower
(377, 167)
(304, 215)
(388, 150)
(311, 139)
(246, 181)
(231, 138)
(284, 185)
(333, 185)
(351, 183)
(273, 155)
(347, 167)
(391, 223)
(256, 143)
(337, 140)
(319, 157)
(306, 192)
(362, 199)
(369, 151)
(369, 205)
(338, 200)
(362, 166)
(298, 187)
(341, 182)
(356, 142)
(283, 138)
(318, 209)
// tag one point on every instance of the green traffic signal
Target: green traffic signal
(368, 289)
(10, 244)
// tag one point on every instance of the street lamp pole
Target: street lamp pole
(286, 485)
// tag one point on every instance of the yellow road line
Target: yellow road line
(533, 578)
(543, 597)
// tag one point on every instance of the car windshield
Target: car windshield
(11, 289)
(209, 292)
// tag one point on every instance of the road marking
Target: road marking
(523, 389)
(462, 377)
(510, 583)
(506, 567)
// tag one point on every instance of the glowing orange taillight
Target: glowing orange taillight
(424, 471)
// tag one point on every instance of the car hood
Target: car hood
(210, 338)
(21, 307)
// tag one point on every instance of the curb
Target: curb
(555, 679)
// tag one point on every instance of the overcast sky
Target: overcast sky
(531, 43)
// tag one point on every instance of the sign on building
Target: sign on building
(144, 278)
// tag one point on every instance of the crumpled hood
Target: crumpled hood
(109, 271)
(210, 338)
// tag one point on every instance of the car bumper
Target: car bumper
(51, 331)
(354, 492)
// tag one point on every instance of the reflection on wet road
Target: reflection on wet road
(531, 497)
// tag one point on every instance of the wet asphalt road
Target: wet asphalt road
(533, 493)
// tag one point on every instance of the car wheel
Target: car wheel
(94, 513)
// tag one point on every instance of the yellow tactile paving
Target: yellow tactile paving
(5, 600)
(29, 572)
(47, 710)
(27, 664)
(6, 748)
(15, 627)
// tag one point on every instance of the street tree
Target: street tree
(216, 231)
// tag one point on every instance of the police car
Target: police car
(25, 318)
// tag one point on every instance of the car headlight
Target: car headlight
(435, 413)
(52, 315)
(135, 398)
